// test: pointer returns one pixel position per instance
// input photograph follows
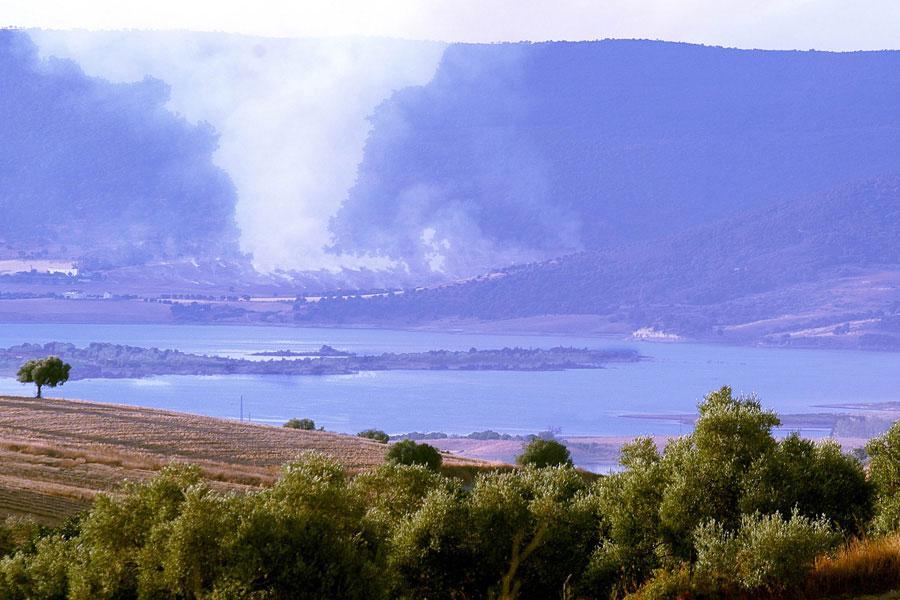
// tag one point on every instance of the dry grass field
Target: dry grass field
(56, 455)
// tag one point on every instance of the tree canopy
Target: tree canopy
(51, 371)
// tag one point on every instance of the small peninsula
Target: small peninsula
(105, 360)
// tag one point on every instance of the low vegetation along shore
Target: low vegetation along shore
(726, 511)
(113, 360)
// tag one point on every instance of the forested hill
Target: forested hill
(824, 270)
(521, 152)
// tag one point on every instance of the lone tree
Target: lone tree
(545, 453)
(50, 371)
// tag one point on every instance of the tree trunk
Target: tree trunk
(39, 390)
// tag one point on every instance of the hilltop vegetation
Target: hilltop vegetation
(725, 511)
(114, 360)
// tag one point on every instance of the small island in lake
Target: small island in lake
(323, 352)
(104, 360)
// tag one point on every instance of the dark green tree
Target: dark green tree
(408, 452)
(50, 371)
(375, 434)
(545, 453)
(304, 424)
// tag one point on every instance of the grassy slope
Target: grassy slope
(56, 455)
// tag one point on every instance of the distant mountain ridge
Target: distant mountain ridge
(521, 152)
(811, 267)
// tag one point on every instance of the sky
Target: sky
(292, 113)
(794, 24)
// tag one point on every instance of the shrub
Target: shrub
(408, 452)
(304, 424)
(375, 434)
(629, 502)
(768, 553)
(884, 472)
(816, 478)
(525, 534)
(667, 584)
(544, 453)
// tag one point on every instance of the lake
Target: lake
(672, 380)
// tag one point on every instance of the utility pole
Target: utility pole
(242, 408)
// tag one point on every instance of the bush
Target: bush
(304, 424)
(408, 452)
(629, 502)
(884, 472)
(545, 453)
(526, 534)
(766, 554)
(815, 478)
(375, 434)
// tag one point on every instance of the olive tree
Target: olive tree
(50, 371)
(408, 452)
(545, 453)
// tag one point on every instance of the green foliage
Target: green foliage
(725, 511)
(51, 371)
(884, 473)
(408, 452)
(38, 575)
(526, 534)
(375, 434)
(815, 479)
(393, 491)
(706, 468)
(629, 504)
(767, 553)
(544, 453)
(304, 424)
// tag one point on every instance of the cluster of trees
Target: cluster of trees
(303, 424)
(728, 510)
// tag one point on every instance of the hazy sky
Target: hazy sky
(803, 24)
(293, 115)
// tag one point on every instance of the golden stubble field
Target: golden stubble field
(56, 455)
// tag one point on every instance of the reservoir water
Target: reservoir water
(671, 381)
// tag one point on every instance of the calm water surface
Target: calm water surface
(588, 402)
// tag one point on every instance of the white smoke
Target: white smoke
(292, 115)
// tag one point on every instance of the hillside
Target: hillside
(57, 454)
(823, 270)
(520, 152)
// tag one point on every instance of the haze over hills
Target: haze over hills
(706, 192)
(103, 173)
(821, 271)
(521, 152)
